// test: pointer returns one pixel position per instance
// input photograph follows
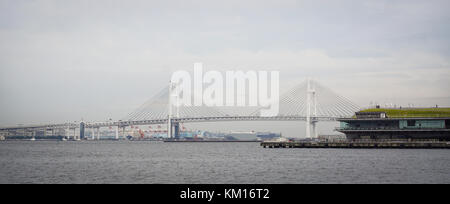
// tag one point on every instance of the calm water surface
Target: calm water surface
(158, 162)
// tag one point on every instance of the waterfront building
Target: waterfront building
(406, 123)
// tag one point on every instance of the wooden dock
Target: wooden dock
(360, 144)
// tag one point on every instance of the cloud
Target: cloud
(63, 60)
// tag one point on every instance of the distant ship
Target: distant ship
(251, 136)
(247, 136)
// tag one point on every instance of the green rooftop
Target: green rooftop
(412, 112)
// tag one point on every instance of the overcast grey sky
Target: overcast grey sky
(62, 60)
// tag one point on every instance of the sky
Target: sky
(63, 60)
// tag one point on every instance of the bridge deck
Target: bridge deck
(175, 120)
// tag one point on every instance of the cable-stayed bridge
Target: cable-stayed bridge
(309, 101)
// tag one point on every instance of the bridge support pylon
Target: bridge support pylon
(33, 135)
(98, 133)
(173, 130)
(315, 134)
(311, 111)
(82, 130)
(92, 133)
(173, 127)
(117, 133)
(75, 136)
(176, 127)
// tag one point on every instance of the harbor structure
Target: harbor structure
(360, 144)
(398, 123)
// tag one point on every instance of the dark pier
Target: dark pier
(360, 144)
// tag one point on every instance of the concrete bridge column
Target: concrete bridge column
(75, 136)
(311, 110)
(123, 132)
(117, 133)
(67, 133)
(177, 130)
(82, 130)
(98, 133)
(169, 128)
(315, 134)
(93, 133)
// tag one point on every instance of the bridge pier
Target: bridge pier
(98, 133)
(67, 133)
(173, 130)
(177, 130)
(33, 134)
(315, 134)
(82, 130)
(75, 136)
(92, 133)
(116, 137)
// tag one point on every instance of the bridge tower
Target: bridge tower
(311, 103)
(171, 125)
(169, 117)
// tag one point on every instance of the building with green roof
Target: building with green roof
(398, 123)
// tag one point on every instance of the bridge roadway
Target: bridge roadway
(212, 119)
(164, 121)
(41, 126)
